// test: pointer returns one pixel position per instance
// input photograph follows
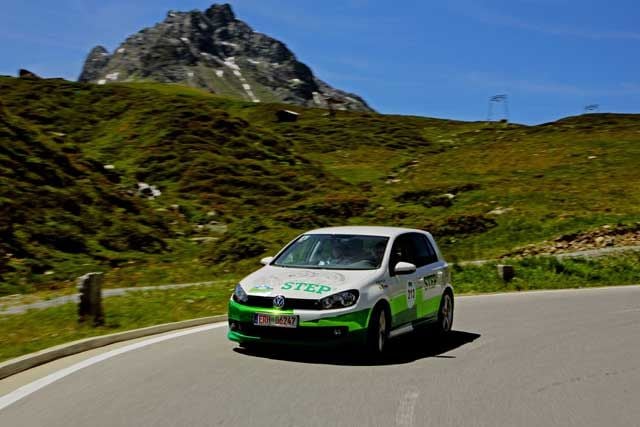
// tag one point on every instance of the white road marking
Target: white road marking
(34, 386)
(404, 415)
(631, 310)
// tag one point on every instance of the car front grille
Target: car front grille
(289, 303)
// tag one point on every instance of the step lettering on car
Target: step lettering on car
(305, 287)
(430, 281)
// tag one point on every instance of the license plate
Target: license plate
(278, 320)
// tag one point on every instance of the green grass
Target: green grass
(229, 163)
(39, 329)
(539, 273)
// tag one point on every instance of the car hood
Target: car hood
(305, 283)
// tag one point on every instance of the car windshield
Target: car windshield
(334, 252)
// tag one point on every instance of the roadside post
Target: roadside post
(506, 272)
(90, 305)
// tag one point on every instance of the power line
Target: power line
(497, 100)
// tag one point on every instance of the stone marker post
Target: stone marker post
(90, 306)
(506, 272)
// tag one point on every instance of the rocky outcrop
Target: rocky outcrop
(26, 74)
(602, 237)
(215, 51)
(96, 62)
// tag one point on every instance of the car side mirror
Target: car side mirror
(404, 268)
(266, 261)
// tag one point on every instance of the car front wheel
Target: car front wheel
(378, 332)
(445, 314)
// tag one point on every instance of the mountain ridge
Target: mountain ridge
(214, 50)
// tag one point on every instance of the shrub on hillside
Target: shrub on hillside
(464, 225)
(333, 209)
(61, 238)
(435, 196)
(129, 236)
(241, 242)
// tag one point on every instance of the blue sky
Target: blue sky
(431, 58)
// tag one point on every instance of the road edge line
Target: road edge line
(31, 360)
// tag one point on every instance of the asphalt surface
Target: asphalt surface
(562, 358)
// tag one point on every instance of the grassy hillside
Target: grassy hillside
(61, 209)
(236, 184)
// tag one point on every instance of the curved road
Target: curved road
(557, 358)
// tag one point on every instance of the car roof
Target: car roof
(365, 230)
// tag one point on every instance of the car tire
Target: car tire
(378, 332)
(445, 314)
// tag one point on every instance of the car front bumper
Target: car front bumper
(315, 327)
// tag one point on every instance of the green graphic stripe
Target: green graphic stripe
(355, 321)
(402, 314)
(430, 306)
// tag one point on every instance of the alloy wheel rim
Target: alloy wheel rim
(382, 327)
(446, 313)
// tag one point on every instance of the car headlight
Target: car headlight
(340, 300)
(239, 295)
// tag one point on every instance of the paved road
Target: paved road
(558, 358)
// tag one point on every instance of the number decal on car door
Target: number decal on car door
(411, 294)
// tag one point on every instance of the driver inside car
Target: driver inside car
(377, 252)
(339, 255)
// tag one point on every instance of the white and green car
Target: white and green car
(332, 285)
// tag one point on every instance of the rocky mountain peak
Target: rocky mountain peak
(96, 61)
(213, 50)
(99, 51)
(221, 14)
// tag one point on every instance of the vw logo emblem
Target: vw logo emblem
(278, 302)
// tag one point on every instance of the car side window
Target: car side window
(433, 256)
(425, 250)
(401, 251)
(421, 250)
